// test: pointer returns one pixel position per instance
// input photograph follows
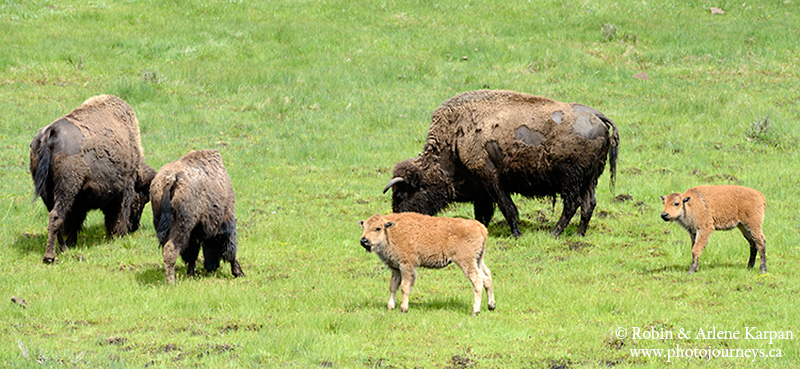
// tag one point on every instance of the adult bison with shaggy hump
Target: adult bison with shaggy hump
(484, 145)
(193, 204)
(90, 159)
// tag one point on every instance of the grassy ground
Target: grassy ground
(312, 102)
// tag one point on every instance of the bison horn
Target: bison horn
(393, 182)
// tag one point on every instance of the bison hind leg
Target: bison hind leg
(189, 255)
(229, 246)
(757, 243)
(588, 203)
(236, 269)
(571, 204)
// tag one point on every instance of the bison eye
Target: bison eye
(677, 204)
(378, 229)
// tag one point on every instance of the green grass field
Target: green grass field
(312, 102)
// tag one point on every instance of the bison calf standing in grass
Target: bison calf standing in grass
(193, 203)
(404, 241)
(703, 209)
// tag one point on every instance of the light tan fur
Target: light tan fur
(704, 209)
(405, 241)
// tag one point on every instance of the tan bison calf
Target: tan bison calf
(704, 209)
(404, 241)
(193, 204)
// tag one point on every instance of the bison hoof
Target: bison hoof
(48, 260)
(475, 313)
(491, 307)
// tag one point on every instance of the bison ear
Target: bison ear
(388, 225)
(663, 197)
(686, 199)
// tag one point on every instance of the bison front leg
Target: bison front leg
(484, 210)
(72, 224)
(700, 242)
(475, 275)
(394, 284)
(505, 204)
(118, 218)
(407, 275)
(189, 256)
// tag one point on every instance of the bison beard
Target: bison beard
(484, 145)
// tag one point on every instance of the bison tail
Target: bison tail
(614, 150)
(42, 174)
(165, 218)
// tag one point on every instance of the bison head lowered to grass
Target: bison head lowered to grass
(89, 159)
(484, 145)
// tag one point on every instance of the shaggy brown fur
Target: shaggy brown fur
(89, 159)
(405, 241)
(484, 145)
(703, 209)
(193, 203)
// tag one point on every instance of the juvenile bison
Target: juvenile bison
(484, 145)
(193, 203)
(404, 241)
(90, 159)
(703, 209)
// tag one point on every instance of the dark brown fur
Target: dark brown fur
(193, 204)
(484, 145)
(703, 209)
(405, 241)
(89, 159)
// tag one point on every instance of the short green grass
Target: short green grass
(312, 102)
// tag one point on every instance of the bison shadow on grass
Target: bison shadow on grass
(682, 268)
(31, 243)
(153, 274)
(424, 301)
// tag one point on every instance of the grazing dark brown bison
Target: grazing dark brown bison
(90, 159)
(484, 145)
(193, 203)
